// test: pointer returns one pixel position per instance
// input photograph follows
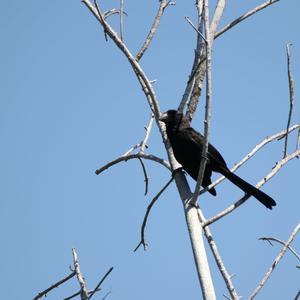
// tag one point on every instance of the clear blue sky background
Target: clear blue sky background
(70, 103)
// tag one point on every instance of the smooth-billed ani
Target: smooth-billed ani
(187, 146)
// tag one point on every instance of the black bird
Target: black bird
(187, 146)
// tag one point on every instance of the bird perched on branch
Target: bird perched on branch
(187, 146)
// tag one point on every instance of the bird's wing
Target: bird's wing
(197, 139)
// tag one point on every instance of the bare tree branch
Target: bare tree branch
(163, 4)
(195, 28)
(227, 278)
(145, 175)
(298, 140)
(291, 92)
(245, 16)
(145, 82)
(258, 147)
(121, 19)
(112, 12)
(143, 144)
(131, 156)
(84, 294)
(200, 65)
(101, 281)
(297, 296)
(78, 294)
(55, 285)
(269, 239)
(195, 230)
(148, 131)
(142, 241)
(217, 16)
(232, 207)
(275, 262)
(198, 53)
(204, 158)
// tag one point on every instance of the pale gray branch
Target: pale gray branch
(148, 129)
(145, 82)
(245, 16)
(131, 156)
(112, 12)
(201, 65)
(291, 93)
(122, 19)
(227, 278)
(258, 147)
(198, 54)
(208, 101)
(298, 140)
(217, 16)
(269, 239)
(195, 28)
(162, 6)
(274, 170)
(84, 294)
(275, 262)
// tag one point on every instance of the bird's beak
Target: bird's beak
(163, 117)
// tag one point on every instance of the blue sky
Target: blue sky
(70, 103)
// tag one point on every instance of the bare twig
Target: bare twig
(121, 19)
(201, 65)
(198, 53)
(147, 135)
(78, 294)
(291, 92)
(195, 28)
(244, 17)
(83, 287)
(145, 82)
(203, 159)
(274, 170)
(297, 296)
(275, 262)
(142, 241)
(131, 156)
(163, 4)
(258, 147)
(218, 259)
(298, 140)
(269, 239)
(112, 11)
(145, 175)
(132, 149)
(144, 143)
(55, 285)
(106, 295)
(104, 16)
(101, 281)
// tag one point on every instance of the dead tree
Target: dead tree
(197, 223)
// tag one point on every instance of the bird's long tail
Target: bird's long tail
(248, 188)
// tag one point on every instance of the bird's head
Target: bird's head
(170, 117)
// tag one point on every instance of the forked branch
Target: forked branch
(273, 172)
(275, 262)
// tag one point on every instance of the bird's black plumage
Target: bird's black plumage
(187, 146)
